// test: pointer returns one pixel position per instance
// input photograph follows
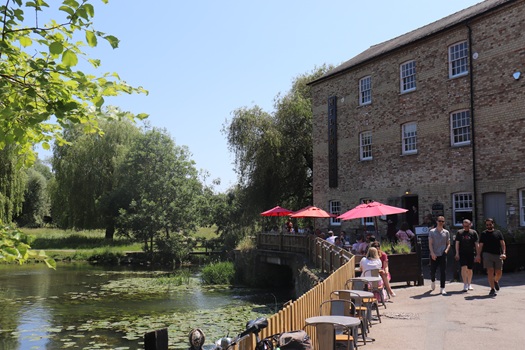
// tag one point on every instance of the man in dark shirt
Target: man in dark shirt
(492, 246)
(466, 247)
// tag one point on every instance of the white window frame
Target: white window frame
(365, 90)
(365, 145)
(407, 74)
(461, 202)
(522, 207)
(409, 138)
(335, 208)
(460, 128)
(458, 59)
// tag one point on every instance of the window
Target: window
(365, 145)
(335, 208)
(409, 138)
(460, 128)
(408, 76)
(462, 207)
(522, 207)
(365, 91)
(458, 59)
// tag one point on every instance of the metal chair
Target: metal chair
(375, 287)
(341, 307)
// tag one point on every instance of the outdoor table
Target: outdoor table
(334, 321)
(358, 296)
(370, 279)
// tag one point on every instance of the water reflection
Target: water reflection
(85, 307)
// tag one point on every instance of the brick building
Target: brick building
(432, 121)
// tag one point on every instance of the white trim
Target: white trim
(458, 59)
(365, 90)
(407, 76)
(365, 136)
(406, 140)
(335, 208)
(465, 205)
(463, 129)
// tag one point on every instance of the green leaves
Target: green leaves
(69, 58)
(39, 82)
(14, 247)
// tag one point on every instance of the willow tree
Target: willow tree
(274, 151)
(40, 88)
(85, 192)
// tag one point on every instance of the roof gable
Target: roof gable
(415, 35)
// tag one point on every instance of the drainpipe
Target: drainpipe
(472, 133)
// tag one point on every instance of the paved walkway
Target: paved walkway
(420, 319)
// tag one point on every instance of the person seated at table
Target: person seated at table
(370, 262)
(338, 242)
(405, 235)
(384, 272)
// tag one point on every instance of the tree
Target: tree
(36, 200)
(38, 80)
(85, 195)
(163, 188)
(12, 184)
(273, 152)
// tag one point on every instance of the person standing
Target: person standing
(466, 249)
(438, 244)
(493, 250)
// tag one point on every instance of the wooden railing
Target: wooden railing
(334, 260)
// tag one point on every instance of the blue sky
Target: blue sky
(202, 59)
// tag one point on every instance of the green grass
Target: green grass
(82, 245)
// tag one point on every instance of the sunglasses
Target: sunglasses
(441, 220)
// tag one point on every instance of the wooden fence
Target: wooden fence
(331, 259)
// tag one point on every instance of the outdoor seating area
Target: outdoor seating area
(345, 320)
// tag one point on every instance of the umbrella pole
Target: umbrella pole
(378, 236)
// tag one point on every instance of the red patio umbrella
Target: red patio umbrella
(277, 211)
(371, 209)
(368, 210)
(311, 212)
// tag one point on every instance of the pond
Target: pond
(80, 306)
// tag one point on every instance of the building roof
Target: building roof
(415, 35)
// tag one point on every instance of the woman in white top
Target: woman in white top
(370, 262)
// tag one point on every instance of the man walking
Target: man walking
(492, 246)
(466, 249)
(439, 244)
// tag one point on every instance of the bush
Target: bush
(218, 273)
(398, 248)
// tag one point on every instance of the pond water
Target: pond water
(80, 306)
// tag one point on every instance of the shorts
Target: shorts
(466, 260)
(492, 261)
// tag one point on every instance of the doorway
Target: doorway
(411, 203)
(494, 206)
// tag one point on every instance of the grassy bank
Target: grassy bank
(83, 245)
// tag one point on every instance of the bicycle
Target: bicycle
(286, 340)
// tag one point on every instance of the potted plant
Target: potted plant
(404, 265)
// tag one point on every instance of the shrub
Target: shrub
(218, 273)
(398, 248)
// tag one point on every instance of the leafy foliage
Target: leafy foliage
(14, 247)
(86, 194)
(12, 184)
(273, 152)
(161, 183)
(218, 273)
(36, 200)
(38, 76)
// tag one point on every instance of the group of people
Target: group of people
(470, 247)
